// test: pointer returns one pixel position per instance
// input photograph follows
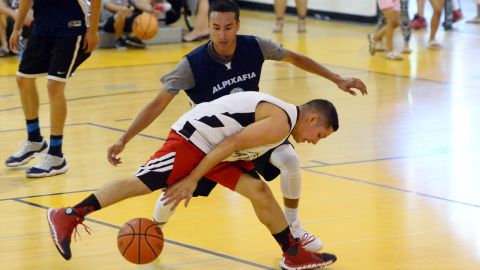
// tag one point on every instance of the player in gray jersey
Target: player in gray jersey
(261, 122)
(221, 53)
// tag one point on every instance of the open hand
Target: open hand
(347, 84)
(182, 190)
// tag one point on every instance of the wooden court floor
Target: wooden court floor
(397, 187)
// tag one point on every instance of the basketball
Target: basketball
(145, 26)
(140, 241)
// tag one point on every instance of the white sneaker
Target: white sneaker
(393, 56)
(309, 241)
(26, 153)
(49, 165)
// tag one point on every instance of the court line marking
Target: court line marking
(310, 168)
(94, 125)
(48, 194)
(88, 97)
(217, 254)
(371, 183)
(324, 164)
(111, 67)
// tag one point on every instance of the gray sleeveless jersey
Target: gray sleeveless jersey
(209, 123)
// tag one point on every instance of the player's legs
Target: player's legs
(34, 64)
(285, 159)
(266, 207)
(270, 214)
(65, 55)
(28, 96)
(157, 173)
(63, 221)
(58, 106)
(162, 212)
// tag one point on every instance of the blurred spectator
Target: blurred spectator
(200, 30)
(391, 11)
(8, 13)
(404, 25)
(437, 6)
(419, 21)
(281, 5)
(118, 17)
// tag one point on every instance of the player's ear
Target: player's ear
(313, 118)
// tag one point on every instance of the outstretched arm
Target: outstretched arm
(271, 126)
(308, 64)
(143, 120)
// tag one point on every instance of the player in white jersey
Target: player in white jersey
(209, 144)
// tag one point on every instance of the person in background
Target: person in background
(118, 17)
(8, 13)
(280, 7)
(200, 30)
(63, 36)
(451, 6)
(404, 25)
(391, 11)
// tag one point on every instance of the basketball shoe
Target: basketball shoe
(62, 222)
(308, 241)
(296, 258)
(135, 42)
(26, 153)
(49, 165)
(457, 15)
(418, 22)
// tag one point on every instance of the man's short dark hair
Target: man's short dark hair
(327, 109)
(224, 6)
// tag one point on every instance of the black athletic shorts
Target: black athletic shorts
(263, 167)
(56, 56)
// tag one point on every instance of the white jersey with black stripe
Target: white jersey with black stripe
(209, 123)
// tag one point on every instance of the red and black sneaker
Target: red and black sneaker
(418, 22)
(296, 258)
(62, 222)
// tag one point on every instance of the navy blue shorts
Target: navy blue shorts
(57, 57)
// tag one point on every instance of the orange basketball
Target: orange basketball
(145, 26)
(140, 241)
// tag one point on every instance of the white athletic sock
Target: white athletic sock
(162, 213)
(291, 214)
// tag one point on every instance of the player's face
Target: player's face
(223, 30)
(312, 134)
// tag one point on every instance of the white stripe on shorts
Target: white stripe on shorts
(75, 54)
(166, 160)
